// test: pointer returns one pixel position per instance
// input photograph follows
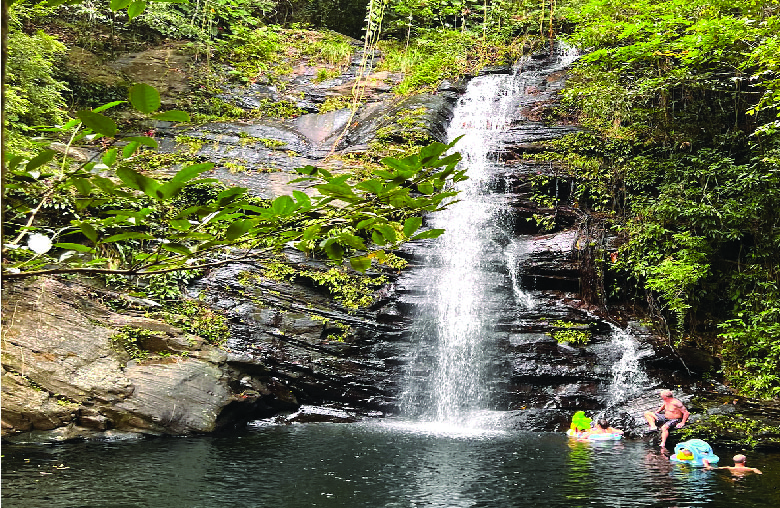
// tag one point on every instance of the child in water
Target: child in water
(602, 427)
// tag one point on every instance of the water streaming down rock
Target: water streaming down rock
(628, 377)
(470, 271)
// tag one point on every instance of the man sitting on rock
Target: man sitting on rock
(671, 415)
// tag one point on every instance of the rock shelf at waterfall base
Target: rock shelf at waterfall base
(297, 354)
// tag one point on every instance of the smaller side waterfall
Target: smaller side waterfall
(628, 377)
(516, 253)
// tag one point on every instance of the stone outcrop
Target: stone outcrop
(64, 371)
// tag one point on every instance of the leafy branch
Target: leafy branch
(146, 229)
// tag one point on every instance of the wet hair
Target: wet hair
(604, 424)
(739, 459)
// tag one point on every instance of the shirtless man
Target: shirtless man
(671, 415)
(738, 468)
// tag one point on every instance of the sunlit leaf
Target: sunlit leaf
(172, 115)
(98, 123)
(360, 263)
(411, 225)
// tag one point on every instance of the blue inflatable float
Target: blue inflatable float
(693, 452)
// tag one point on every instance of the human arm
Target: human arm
(685, 415)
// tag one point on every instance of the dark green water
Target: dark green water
(377, 464)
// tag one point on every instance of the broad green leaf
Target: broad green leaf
(188, 173)
(169, 189)
(401, 200)
(105, 184)
(284, 205)
(366, 223)
(172, 116)
(89, 231)
(333, 249)
(132, 235)
(352, 241)
(14, 161)
(396, 164)
(39, 160)
(130, 149)
(107, 106)
(143, 97)
(411, 225)
(426, 188)
(73, 246)
(229, 195)
(135, 180)
(302, 198)
(109, 158)
(340, 191)
(450, 159)
(377, 238)
(135, 9)
(388, 232)
(373, 186)
(307, 170)
(431, 233)
(360, 263)
(119, 4)
(143, 140)
(178, 248)
(430, 154)
(98, 123)
(82, 185)
(180, 224)
(237, 229)
(311, 232)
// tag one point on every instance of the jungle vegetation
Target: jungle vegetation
(677, 156)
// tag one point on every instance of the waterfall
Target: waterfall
(456, 368)
(628, 377)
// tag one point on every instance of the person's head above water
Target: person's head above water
(739, 459)
(603, 423)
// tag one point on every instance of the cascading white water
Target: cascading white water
(628, 376)
(462, 285)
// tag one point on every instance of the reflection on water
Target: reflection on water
(378, 464)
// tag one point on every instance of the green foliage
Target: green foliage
(196, 318)
(129, 225)
(407, 128)
(681, 162)
(571, 333)
(335, 103)
(352, 290)
(129, 340)
(167, 287)
(444, 54)
(267, 51)
(739, 429)
(32, 95)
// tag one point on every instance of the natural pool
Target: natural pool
(373, 464)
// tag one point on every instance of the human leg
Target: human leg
(664, 435)
(651, 420)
